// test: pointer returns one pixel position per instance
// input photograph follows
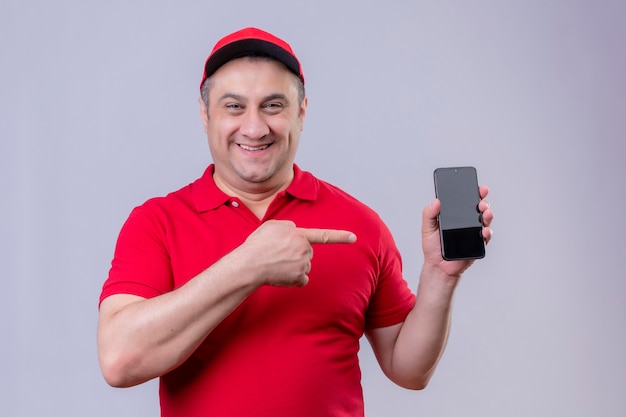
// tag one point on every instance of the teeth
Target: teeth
(253, 148)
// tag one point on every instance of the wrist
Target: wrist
(241, 269)
(436, 280)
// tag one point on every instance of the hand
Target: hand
(280, 253)
(431, 243)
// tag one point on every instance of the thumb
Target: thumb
(429, 217)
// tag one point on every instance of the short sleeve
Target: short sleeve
(141, 263)
(393, 299)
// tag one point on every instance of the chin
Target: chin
(257, 176)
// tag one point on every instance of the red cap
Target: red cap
(251, 42)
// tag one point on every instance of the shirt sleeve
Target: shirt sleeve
(393, 299)
(141, 263)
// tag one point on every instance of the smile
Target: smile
(253, 148)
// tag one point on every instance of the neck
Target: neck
(257, 197)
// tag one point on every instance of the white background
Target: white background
(98, 112)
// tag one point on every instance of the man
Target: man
(247, 291)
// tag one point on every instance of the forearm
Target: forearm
(423, 336)
(144, 339)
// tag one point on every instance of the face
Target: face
(253, 124)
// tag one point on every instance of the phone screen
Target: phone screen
(459, 219)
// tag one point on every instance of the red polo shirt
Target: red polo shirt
(283, 351)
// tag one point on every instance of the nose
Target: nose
(253, 125)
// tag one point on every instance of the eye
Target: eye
(234, 107)
(273, 107)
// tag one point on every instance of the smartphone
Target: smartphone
(460, 223)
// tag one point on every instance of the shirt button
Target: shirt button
(235, 204)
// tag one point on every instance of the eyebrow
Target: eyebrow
(276, 96)
(233, 96)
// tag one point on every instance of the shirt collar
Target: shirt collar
(207, 196)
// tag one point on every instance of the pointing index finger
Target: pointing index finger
(324, 236)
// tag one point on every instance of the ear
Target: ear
(204, 115)
(302, 114)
